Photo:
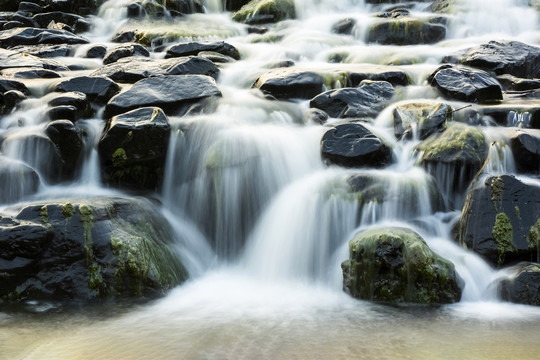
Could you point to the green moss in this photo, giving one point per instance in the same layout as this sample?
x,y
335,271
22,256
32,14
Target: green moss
x,y
516,211
533,239
503,234
278,9
119,157
95,281
68,210
497,187
44,214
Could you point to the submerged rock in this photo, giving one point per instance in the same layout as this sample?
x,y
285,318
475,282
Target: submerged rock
x,y
395,265
525,145
353,145
79,252
501,220
523,286
265,11
420,119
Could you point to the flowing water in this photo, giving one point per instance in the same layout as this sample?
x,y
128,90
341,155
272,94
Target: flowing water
x,y
264,247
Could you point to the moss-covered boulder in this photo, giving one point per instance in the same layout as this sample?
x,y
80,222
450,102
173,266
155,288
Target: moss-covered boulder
x,y
265,11
396,266
420,120
454,157
87,251
523,284
405,31
501,220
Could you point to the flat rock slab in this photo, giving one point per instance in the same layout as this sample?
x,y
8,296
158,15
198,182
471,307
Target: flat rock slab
x,y
34,36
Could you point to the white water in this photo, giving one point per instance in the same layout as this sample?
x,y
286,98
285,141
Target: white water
x,y
262,224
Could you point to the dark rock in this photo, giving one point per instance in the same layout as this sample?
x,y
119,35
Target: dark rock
x,y
133,148
194,48
30,73
501,220
10,99
12,25
75,99
173,93
523,286
344,26
43,51
68,112
18,181
405,32
30,7
234,5
502,57
366,101
78,23
9,5
125,50
395,265
7,85
33,36
420,120
134,10
23,19
353,145
510,82
87,252
285,84
460,83
124,36
68,141
80,7
96,52
525,145
315,116
11,59
261,11
97,89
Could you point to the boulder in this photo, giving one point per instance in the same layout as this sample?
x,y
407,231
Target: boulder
x,y
405,31
420,120
123,51
194,48
9,100
90,251
286,84
363,102
525,145
78,23
173,93
265,11
81,7
460,83
12,59
522,286
34,36
30,73
501,57
353,145
133,148
67,139
501,220
96,52
97,89
76,99
18,181
8,85
396,266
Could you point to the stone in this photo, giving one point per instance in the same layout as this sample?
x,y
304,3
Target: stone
x,y
405,31
285,84
522,286
123,51
18,180
420,120
265,11
67,138
34,36
194,48
525,145
97,89
78,23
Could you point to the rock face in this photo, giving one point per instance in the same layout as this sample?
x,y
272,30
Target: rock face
x,y
366,101
133,148
172,93
501,220
395,265
460,83
420,120
353,145
77,252
523,287
405,31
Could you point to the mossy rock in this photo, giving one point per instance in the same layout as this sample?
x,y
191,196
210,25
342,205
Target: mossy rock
x,y
88,252
419,120
261,11
405,31
396,266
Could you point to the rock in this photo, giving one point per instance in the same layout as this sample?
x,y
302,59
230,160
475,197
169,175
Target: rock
x,y
76,99
353,145
30,7
33,36
315,116
454,157
9,100
501,57
501,220
525,145
18,181
97,89
123,51
344,27
133,148
460,83
395,265
363,102
78,23
234,5
11,59
405,31
8,84
265,11
96,52
420,120
153,8
9,5
510,82
172,93
68,141
442,6
81,7
61,112
87,252
30,73
285,84
194,48
523,286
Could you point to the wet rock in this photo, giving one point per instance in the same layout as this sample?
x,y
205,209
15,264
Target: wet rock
x,y
344,27
501,220
513,83
123,51
133,148
460,83
97,89
68,112
124,36
7,85
11,59
33,36
43,51
87,252
454,157
265,11
75,99
363,102
315,116
30,73
153,8
80,7
67,138
395,265
194,48
96,52
353,145
30,7
525,145
23,19
234,5
9,25
78,23
523,286
9,100
405,31
286,84
18,180
9,5
420,120
442,6
501,57
173,93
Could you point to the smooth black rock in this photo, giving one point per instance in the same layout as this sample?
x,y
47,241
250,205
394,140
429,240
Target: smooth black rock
x,y
353,145
7,85
68,112
30,73
18,180
194,48
77,22
67,138
523,286
525,145
460,83
501,220
174,94
286,85
96,52
12,59
33,36
10,99
97,89
30,7
123,51
77,99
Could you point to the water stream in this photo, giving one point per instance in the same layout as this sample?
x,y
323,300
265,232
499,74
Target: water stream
x,y
264,247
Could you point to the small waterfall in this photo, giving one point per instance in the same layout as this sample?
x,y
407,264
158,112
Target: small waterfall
x,y
500,157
